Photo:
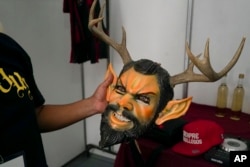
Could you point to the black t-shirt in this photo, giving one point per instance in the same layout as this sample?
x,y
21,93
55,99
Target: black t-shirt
x,y
19,96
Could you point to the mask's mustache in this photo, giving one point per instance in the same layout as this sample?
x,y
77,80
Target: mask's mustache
x,y
125,113
113,107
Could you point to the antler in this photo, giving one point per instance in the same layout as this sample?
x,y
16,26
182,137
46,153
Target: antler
x,y
98,31
209,75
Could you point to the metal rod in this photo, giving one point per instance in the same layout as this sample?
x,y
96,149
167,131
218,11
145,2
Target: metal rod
x,y
83,96
90,146
188,37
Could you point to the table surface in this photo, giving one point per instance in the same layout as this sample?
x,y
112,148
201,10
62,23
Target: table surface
x,y
169,158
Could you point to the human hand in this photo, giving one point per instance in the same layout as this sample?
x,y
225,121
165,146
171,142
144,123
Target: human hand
x,y
101,92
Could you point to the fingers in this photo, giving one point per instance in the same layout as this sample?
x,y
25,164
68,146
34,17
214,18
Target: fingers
x,y
108,80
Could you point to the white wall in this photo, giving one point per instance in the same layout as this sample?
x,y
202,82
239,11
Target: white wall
x,y
155,30
43,30
225,22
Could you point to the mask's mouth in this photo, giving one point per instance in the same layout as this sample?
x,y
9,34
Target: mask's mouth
x,y
119,122
121,117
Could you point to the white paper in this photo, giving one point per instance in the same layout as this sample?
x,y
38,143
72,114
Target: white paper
x,y
15,162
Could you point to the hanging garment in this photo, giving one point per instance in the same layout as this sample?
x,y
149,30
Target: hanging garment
x,y
84,46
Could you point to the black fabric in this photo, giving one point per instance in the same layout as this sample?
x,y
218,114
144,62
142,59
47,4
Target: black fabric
x,y
19,96
139,161
84,45
167,134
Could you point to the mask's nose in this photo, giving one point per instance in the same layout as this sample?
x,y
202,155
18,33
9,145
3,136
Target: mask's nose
x,y
125,102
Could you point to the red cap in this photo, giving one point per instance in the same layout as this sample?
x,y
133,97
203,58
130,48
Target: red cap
x,y
198,137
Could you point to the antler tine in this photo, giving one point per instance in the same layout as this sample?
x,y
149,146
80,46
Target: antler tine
x,y
98,31
208,74
234,59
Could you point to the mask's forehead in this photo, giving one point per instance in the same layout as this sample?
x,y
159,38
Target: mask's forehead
x,y
136,82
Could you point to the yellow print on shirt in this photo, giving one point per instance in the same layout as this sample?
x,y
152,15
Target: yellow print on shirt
x,y
8,82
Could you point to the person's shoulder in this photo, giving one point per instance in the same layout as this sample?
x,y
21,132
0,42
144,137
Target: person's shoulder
x,y
8,42
4,38
9,46
12,53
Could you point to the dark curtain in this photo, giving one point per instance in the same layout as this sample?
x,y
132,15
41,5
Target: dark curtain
x,y
84,46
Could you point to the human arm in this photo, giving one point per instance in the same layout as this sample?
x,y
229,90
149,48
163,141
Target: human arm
x,y
53,117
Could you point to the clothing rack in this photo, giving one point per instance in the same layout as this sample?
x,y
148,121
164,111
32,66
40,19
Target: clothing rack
x,y
88,147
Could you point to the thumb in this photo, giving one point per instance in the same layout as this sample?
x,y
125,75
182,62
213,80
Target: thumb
x,y
108,80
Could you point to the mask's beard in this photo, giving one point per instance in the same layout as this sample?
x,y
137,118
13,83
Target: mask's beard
x,y
111,136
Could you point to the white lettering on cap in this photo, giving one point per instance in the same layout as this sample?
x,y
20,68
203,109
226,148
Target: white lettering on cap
x,y
191,138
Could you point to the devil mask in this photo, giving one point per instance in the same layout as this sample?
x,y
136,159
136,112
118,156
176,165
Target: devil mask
x,y
135,100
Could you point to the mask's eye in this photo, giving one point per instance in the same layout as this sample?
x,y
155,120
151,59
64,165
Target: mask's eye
x,y
143,98
120,89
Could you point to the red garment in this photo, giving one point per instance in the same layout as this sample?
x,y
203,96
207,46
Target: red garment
x,y
84,46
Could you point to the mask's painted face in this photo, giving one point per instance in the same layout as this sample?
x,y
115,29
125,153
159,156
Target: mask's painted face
x,y
132,106
139,98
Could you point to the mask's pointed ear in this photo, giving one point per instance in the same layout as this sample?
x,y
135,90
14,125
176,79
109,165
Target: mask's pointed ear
x,y
174,109
111,86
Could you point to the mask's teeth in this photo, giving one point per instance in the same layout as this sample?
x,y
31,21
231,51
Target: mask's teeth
x,y
121,118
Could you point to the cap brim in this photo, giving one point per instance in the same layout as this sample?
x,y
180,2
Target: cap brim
x,y
190,150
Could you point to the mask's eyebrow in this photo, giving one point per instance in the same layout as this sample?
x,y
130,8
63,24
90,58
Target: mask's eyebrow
x,y
119,81
139,90
147,93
